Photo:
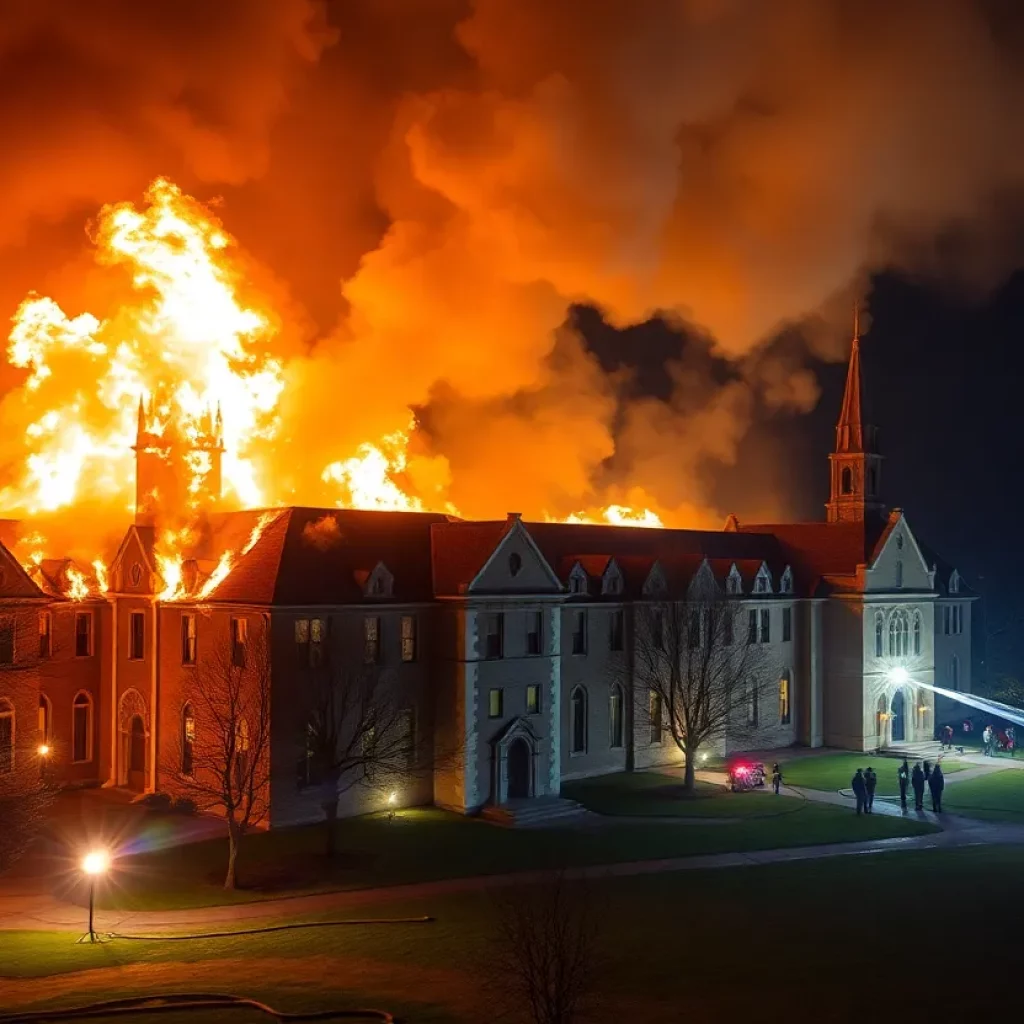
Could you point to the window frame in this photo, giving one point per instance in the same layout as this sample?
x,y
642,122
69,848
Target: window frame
x,y
494,651
11,622
186,741
616,704
578,712
655,717
45,634
88,707
239,642
580,629
764,633
787,624
533,707
496,696
136,653
535,618
85,616
617,630
372,645
189,640
408,639
785,698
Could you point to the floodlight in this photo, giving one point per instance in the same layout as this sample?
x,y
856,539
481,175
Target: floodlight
x,y
898,675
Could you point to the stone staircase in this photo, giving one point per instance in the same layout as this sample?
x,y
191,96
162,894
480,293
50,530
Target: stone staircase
x,y
922,750
541,812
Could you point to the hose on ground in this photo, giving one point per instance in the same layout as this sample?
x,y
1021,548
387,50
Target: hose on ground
x,y
158,937
185,1002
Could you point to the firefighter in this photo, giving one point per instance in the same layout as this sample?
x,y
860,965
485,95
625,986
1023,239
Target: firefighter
x,y
917,781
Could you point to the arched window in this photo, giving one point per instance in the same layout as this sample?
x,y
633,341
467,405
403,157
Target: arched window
x,y
917,632
879,628
81,727
45,718
899,574
188,739
615,715
899,635
785,708
579,720
872,481
6,736
954,673
846,481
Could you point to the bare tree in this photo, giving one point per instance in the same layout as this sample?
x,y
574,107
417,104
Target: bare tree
x,y
228,767
545,957
698,666
361,730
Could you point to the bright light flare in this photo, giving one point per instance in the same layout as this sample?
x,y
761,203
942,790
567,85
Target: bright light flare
x,y
899,675
392,799
43,749
96,862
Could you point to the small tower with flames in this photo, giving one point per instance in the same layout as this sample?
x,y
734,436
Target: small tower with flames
x,y
856,463
177,469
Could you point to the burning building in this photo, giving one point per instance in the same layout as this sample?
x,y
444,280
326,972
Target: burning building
x,y
510,644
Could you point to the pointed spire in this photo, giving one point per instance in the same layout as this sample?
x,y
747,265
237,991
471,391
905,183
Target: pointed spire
x,y
218,428
850,429
141,429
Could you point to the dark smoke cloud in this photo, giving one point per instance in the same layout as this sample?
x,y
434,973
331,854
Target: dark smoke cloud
x,y
437,181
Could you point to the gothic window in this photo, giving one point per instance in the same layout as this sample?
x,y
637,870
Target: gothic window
x,y
899,635
917,632
872,481
734,582
954,582
45,634
612,582
578,701
879,621
515,563
786,583
188,639
846,481
954,673
899,574
615,715
83,634
579,633
577,580
616,630
239,636
762,582
45,718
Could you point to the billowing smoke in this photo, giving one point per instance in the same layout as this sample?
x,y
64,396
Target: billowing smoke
x,y
433,184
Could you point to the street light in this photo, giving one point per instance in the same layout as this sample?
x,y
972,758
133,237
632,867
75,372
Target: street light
x,y
94,863
44,750
392,800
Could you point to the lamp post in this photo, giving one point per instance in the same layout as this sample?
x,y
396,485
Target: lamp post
x,y
93,864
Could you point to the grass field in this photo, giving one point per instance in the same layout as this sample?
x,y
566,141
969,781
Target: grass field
x,y
769,943
654,794
833,772
996,797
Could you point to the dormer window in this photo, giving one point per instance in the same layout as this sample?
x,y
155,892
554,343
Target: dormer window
x,y
577,580
786,583
954,582
515,563
762,582
734,582
380,583
655,581
612,581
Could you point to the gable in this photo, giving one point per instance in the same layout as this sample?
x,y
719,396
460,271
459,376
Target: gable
x,y
899,564
516,566
131,572
15,583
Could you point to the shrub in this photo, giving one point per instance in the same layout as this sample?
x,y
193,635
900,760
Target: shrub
x,y
157,801
183,805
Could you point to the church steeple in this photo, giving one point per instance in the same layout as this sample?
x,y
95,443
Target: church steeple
x,y
856,463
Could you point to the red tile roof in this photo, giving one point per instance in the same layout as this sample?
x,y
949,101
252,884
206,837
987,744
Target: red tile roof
x,y
460,550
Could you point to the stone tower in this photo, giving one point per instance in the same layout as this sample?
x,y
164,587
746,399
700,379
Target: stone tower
x,y
177,473
856,464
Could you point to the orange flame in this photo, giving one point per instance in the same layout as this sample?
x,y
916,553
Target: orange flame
x,y
617,515
77,587
368,480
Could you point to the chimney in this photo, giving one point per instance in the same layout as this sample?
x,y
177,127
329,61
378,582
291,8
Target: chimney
x,y
513,517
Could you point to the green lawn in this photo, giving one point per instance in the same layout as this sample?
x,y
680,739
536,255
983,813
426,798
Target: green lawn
x,y
999,796
768,943
833,772
428,844
654,794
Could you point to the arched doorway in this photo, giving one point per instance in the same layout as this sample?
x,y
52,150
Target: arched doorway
x,y
899,717
518,769
137,754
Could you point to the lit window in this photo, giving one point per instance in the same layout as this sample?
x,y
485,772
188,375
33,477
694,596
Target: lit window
x,y
188,740
533,700
371,640
495,703
239,637
408,638
188,639
784,708
45,717
302,631
45,634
